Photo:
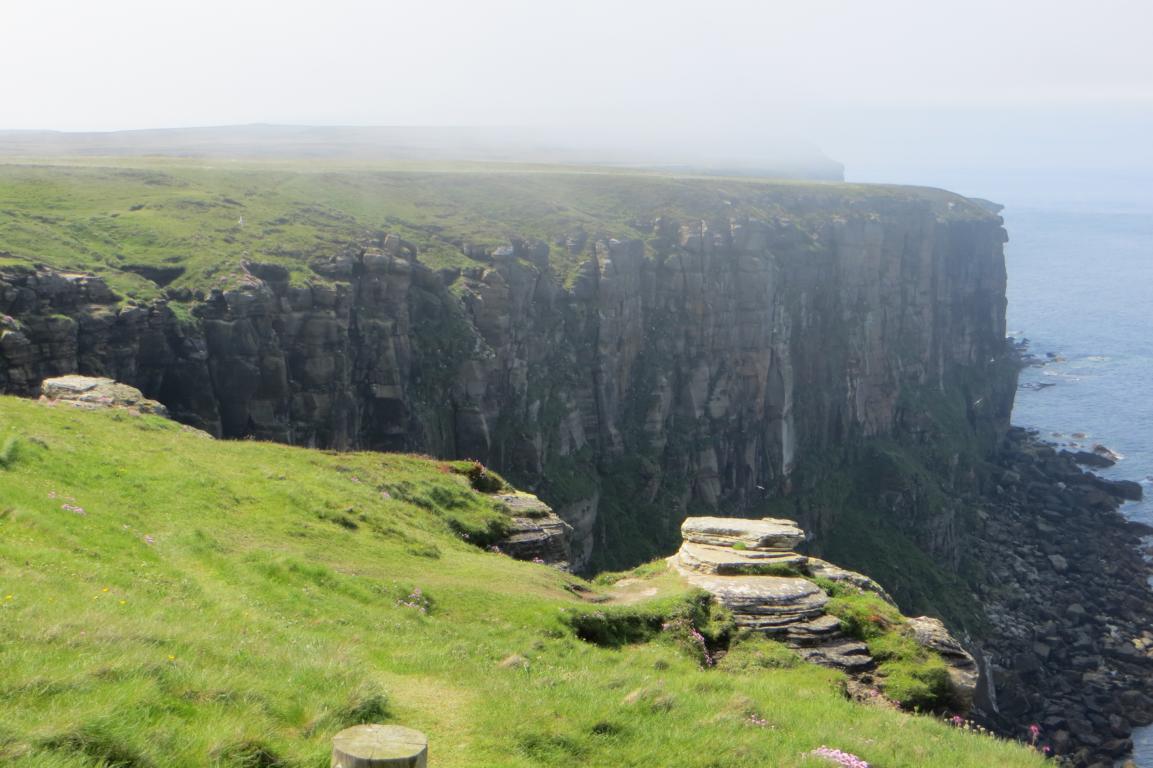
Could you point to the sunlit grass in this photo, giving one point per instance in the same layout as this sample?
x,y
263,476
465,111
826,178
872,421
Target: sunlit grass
x,y
237,603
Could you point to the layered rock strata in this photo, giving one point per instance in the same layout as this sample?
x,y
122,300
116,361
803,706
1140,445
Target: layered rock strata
x,y
537,533
692,366
731,559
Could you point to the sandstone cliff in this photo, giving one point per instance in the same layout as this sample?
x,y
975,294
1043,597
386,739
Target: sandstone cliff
x,y
696,367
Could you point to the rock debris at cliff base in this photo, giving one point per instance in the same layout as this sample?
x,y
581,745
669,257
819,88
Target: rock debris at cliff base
x,y
1067,592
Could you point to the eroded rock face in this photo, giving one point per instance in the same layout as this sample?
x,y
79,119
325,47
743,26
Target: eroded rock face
x,y
694,365
726,561
963,672
537,533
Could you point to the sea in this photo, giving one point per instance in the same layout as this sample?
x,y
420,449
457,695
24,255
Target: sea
x,y
1081,292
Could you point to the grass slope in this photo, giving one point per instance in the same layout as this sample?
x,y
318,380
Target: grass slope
x,y
110,215
170,600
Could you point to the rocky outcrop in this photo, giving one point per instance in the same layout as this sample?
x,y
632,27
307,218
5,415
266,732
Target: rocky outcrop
x,y
696,366
536,534
732,560
92,392
964,674
765,537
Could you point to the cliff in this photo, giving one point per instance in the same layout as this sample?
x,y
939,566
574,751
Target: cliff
x,y
706,363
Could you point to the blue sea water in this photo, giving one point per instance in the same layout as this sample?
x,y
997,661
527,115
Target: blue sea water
x,y
1081,288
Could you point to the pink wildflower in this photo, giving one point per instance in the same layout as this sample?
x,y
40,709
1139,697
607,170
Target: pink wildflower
x,y
838,757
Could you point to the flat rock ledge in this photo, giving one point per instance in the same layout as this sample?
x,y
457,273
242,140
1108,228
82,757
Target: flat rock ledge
x,y
749,568
764,534
93,392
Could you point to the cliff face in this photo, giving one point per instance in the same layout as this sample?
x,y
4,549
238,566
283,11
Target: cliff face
x,y
695,368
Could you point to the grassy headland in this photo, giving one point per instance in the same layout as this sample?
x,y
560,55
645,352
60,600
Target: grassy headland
x,y
197,221
170,600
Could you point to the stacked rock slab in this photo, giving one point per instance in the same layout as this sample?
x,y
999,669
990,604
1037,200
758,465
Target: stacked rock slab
x,y
536,532
747,566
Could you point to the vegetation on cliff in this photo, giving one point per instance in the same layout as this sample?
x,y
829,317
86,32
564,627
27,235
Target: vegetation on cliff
x,y
166,599
152,224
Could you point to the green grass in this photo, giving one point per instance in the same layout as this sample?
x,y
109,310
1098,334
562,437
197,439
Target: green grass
x,y
907,673
9,451
756,654
168,600
121,217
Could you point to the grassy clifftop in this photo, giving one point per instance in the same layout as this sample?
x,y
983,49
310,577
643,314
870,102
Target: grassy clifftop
x,y
196,222
170,600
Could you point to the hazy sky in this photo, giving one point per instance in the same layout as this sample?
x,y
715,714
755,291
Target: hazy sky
x,y
846,73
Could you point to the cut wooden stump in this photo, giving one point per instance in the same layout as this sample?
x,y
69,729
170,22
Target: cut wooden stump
x,y
379,746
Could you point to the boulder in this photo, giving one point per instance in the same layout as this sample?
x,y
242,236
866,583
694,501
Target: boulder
x,y
1129,490
963,671
1107,453
537,533
849,655
1093,459
94,392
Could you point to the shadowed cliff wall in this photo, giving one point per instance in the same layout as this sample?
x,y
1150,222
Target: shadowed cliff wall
x,y
702,366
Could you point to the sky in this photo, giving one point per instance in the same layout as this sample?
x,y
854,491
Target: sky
x,y
877,84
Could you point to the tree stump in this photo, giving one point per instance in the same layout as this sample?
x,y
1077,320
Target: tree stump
x,y
379,746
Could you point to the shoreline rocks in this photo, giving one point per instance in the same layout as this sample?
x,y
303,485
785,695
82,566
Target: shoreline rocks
x,y
1065,588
